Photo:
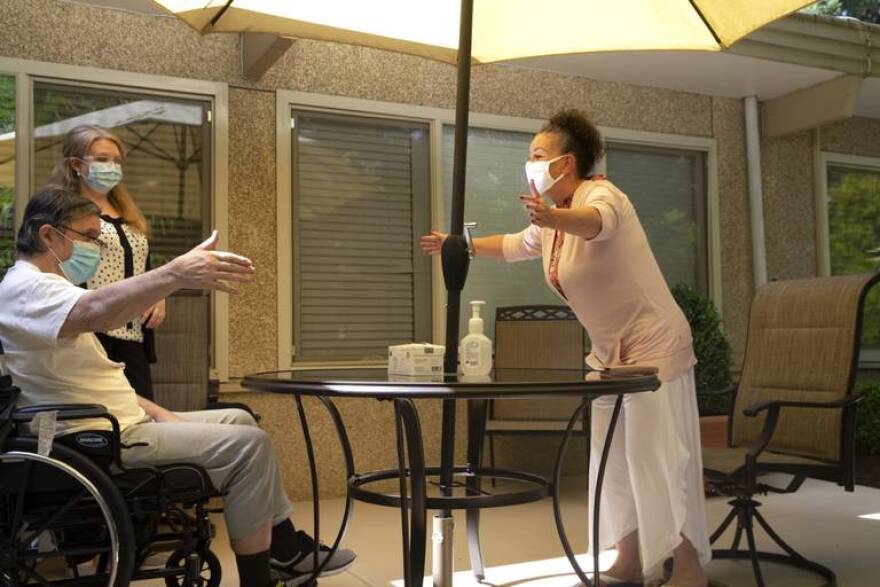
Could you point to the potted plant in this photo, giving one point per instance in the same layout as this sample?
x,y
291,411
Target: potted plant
x,y
712,372
868,433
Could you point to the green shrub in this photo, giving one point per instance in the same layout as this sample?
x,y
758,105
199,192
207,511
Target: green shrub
x,y
710,346
868,427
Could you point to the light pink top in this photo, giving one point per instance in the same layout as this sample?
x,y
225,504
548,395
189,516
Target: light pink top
x,y
613,285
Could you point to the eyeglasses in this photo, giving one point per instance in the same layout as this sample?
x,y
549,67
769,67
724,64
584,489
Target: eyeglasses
x,y
88,237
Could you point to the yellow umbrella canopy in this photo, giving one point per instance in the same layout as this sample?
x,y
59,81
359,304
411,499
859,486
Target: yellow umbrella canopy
x,y
502,29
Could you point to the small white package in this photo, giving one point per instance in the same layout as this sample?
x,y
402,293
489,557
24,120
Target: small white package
x,y
416,359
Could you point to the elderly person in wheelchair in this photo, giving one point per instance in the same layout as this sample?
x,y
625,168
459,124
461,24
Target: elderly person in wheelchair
x,y
47,326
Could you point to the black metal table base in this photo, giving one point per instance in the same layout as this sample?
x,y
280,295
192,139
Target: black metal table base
x,y
413,480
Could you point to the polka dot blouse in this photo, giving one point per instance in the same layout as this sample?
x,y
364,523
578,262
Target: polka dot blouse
x,y
123,255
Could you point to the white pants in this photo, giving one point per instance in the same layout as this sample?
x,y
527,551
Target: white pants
x,y
654,477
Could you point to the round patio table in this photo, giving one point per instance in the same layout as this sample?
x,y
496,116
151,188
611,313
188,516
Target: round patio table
x,y
457,486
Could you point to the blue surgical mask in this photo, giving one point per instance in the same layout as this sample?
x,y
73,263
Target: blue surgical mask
x,y
103,176
83,261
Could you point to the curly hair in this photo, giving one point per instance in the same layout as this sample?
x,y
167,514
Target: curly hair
x,y
579,136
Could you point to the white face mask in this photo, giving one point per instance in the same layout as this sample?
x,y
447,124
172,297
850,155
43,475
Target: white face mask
x,y
539,172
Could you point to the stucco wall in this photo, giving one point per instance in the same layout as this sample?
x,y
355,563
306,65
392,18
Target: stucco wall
x,y
789,206
737,280
854,136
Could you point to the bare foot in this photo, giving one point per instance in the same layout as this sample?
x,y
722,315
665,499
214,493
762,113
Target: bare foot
x,y
686,569
629,573
628,565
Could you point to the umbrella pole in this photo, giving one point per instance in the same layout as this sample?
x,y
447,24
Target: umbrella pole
x,y
455,265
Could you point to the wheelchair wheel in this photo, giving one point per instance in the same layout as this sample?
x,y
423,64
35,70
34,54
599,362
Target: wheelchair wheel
x,y
209,574
59,516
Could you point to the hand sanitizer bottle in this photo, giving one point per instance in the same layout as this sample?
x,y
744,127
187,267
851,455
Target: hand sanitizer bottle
x,y
475,351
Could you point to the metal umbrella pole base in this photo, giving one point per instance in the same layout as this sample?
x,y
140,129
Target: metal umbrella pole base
x,y
443,567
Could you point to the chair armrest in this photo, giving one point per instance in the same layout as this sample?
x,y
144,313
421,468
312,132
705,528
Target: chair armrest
x,y
730,389
65,411
773,408
843,402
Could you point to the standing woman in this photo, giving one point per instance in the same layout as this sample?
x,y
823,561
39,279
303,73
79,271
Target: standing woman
x,y
91,165
597,259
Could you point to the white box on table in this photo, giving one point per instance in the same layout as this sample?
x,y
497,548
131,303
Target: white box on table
x,y
416,359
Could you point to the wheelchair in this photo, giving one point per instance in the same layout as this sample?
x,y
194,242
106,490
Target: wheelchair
x,y
73,515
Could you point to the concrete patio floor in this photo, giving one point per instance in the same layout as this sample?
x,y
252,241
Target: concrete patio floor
x,y
520,546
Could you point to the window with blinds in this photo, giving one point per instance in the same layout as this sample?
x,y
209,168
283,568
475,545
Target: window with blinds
x,y
495,179
361,191
666,186
668,190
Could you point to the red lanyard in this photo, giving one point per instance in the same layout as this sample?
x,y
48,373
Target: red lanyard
x,y
558,238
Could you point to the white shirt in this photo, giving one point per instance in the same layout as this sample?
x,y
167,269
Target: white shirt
x,y
614,286
48,369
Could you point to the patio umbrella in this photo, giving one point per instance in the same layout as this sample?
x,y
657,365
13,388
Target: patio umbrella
x,y
486,31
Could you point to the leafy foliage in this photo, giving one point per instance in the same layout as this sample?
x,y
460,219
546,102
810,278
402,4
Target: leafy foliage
x,y
854,228
866,10
868,427
711,347
7,193
7,103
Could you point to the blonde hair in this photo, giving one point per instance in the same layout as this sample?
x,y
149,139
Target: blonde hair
x,y
76,145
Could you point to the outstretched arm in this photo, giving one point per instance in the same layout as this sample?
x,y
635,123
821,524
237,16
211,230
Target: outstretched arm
x,y
484,246
113,305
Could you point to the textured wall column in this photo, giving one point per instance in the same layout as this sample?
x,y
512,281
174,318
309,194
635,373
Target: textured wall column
x,y
737,277
253,327
789,206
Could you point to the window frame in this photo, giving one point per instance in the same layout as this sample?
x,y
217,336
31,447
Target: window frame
x,y
27,72
289,100
868,358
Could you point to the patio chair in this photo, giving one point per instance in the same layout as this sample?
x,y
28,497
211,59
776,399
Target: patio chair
x,y
795,410
548,337
180,376
541,336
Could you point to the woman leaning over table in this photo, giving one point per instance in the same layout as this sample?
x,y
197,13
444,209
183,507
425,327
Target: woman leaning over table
x,y
597,258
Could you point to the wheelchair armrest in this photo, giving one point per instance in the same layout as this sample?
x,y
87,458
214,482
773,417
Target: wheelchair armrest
x,y
65,411
75,412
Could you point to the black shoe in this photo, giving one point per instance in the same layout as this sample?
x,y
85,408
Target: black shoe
x,y
303,564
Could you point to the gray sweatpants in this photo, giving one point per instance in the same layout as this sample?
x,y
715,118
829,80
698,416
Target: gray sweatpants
x,y
237,455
